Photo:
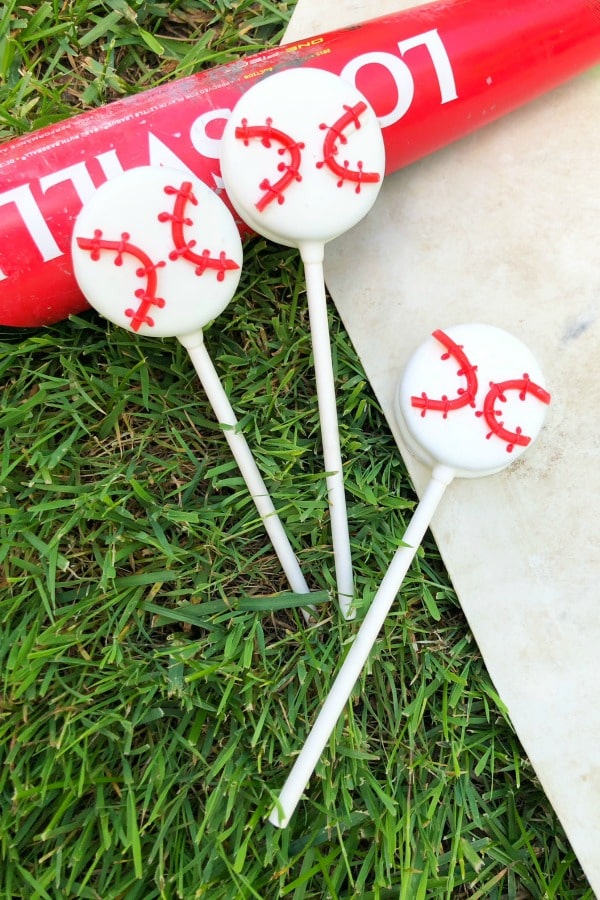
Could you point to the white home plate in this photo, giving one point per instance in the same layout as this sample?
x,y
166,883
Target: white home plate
x,y
502,227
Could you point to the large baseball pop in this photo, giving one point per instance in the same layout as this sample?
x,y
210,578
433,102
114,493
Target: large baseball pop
x,y
302,159
471,401
157,252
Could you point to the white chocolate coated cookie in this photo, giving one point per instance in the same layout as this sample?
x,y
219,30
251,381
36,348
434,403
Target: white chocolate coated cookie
x,y
157,252
472,398
302,156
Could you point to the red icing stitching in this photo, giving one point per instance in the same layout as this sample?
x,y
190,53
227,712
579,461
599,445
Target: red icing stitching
x,y
185,249
266,134
490,413
466,395
335,133
146,295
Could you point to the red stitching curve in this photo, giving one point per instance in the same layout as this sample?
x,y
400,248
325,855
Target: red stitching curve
x,y
335,132
185,249
266,134
466,395
498,392
147,295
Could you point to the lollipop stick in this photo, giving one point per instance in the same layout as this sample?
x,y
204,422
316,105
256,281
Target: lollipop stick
x,y
359,650
194,344
312,257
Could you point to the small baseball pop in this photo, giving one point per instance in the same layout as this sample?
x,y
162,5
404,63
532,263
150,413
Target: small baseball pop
x,y
302,159
157,252
471,401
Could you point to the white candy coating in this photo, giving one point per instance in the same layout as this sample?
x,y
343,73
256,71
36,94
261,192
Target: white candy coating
x,y
157,252
472,398
302,156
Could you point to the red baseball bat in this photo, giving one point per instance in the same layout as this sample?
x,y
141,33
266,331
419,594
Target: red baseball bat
x,y
433,74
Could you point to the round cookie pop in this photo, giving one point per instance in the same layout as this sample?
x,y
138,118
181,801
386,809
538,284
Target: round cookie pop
x,y
461,400
472,399
302,159
157,252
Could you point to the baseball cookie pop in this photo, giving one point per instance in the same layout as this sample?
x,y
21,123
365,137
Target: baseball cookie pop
x,y
157,252
302,159
471,401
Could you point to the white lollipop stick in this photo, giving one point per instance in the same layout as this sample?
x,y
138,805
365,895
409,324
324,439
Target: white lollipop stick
x,y
302,159
223,410
358,653
453,432
312,257
142,256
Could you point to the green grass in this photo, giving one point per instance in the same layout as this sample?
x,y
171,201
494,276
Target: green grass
x,y
157,679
